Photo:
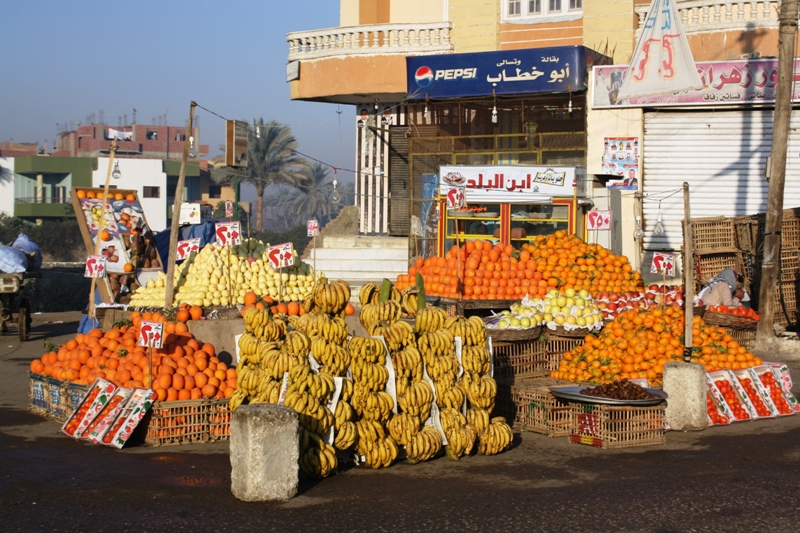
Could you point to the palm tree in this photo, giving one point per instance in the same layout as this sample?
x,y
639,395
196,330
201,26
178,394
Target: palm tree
x,y
313,200
272,160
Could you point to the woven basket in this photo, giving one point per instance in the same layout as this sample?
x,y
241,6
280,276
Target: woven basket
x,y
699,311
511,335
574,334
727,320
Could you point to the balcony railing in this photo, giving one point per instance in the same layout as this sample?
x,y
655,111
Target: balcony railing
x,y
39,200
370,39
714,15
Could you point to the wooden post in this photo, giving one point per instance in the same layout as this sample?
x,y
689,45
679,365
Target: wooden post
x,y
688,276
150,386
112,150
777,170
176,215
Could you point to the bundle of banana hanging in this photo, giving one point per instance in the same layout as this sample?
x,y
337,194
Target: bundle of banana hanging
x,y
332,357
495,438
313,415
424,445
438,353
317,459
472,330
258,362
387,311
259,323
378,448
416,400
370,293
409,300
317,324
398,335
460,436
429,319
330,298
344,418
407,368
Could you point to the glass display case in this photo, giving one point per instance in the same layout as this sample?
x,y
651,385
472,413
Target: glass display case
x,y
528,221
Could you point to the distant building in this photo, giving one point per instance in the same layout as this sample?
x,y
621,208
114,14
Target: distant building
x,y
12,149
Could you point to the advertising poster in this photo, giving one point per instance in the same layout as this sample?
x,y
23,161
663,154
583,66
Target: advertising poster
x,y
621,159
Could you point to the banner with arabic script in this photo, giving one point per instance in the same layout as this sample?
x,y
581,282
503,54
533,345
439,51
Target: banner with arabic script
x,y
734,82
513,184
662,61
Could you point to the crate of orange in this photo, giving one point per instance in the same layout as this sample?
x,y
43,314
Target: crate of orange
x,y
219,420
176,422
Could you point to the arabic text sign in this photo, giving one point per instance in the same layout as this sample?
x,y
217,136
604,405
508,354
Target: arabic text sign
x,y
151,334
540,70
280,255
312,228
187,248
95,267
506,183
724,82
228,233
456,197
663,263
598,219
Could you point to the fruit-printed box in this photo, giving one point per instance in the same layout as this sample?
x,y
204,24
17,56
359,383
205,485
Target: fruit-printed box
x,y
95,400
739,395
785,402
756,393
719,401
783,376
129,417
102,423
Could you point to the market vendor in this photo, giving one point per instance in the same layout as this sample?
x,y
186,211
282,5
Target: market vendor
x,y
726,288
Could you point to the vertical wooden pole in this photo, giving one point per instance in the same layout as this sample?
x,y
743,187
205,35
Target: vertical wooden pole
x,y
150,386
688,276
176,214
102,224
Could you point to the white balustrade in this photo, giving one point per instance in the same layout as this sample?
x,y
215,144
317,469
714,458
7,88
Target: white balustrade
x,y
698,16
370,39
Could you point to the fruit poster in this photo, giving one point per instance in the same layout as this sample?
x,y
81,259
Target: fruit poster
x,y
151,334
621,160
456,197
228,233
599,219
187,248
280,255
663,263
312,228
228,209
95,267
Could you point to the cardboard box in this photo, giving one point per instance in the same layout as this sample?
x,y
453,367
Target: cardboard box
x,y
130,415
102,423
759,371
741,395
719,401
93,403
783,376
758,392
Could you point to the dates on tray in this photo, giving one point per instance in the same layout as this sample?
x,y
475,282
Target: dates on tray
x,y
619,390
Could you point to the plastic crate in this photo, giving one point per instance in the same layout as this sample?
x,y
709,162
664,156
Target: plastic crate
x,y
58,407
219,419
73,396
529,358
529,406
613,426
39,394
177,422
713,235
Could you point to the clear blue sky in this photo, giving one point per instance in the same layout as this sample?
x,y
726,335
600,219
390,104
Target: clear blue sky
x,y
62,61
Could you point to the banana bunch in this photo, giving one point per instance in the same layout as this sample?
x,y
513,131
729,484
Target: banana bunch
x,y
452,397
321,325
439,342
407,364
344,413
258,322
317,459
369,376
330,298
460,436
236,400
256,386
375,406
370,293
442,368
495,438
403,427
472,330
478,418
430,319
320,386
278,361
248,344
313,416
346,436
297,343
476,359
417,400
333,358
409,300
442,386
388,311
368,350
397,335
481,390
424,445
379,450
347,390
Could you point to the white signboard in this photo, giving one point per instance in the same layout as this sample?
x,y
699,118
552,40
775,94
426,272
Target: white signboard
x,y
456,197
151,334
663,263
95,267
513,184
598,219
228,209
228,233
280,255
187,248
312,228
190,214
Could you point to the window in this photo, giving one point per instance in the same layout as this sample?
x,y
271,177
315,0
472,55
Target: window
x,y
151,192
215,191
152,135
180,136
534,7
537,10
514,7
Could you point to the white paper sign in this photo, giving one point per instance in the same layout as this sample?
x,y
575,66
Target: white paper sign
x,y
95,267
312,228
663,263
190,214
228,233
151,334
280,255
228,209
598,219
284,386
187,248
456,197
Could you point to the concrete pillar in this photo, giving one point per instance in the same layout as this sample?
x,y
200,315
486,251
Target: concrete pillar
x,y
265,452
686,385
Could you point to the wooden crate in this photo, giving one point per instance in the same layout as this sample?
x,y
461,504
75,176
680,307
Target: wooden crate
x,y
613,426
709,265
39,393
789,291
713,235
746,231
789,265
528,406
219,419
58,403
73,396
518,358
745,337
177,422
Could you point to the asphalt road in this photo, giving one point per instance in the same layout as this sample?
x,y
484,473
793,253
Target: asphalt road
x,y
745,477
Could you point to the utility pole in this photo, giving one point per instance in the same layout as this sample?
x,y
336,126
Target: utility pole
x,y
777,171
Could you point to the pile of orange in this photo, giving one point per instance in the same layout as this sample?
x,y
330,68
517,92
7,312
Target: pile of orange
x,y
487,271
111,196
639,342
182,368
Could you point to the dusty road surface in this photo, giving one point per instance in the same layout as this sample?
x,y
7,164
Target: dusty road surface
x,y
745,477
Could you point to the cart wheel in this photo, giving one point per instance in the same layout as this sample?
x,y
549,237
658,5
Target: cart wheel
x,y
24,319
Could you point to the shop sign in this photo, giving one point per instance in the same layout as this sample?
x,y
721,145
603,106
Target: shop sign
x,y
512,184
536,70
736,82
598,219
663,263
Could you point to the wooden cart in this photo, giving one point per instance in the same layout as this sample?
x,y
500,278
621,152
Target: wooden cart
x,y
11,286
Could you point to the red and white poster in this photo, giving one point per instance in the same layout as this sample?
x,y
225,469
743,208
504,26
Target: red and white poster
x,y
598,219
95,267
228,209
151,334
663,263
280,255
456,197
228,233
312,228
187,248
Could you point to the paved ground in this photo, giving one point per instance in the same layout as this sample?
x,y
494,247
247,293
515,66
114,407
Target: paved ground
x,y
741,478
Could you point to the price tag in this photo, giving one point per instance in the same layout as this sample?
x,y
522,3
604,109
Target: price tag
x,y
95,267
598,219
228,233
663,263
312,228
151,334
187,248
280,255
228,209
456,197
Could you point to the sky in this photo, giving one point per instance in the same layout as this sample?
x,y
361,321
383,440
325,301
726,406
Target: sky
x,y
63,61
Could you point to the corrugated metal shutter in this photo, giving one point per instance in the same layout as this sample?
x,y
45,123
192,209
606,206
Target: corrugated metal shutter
x,y
722,155
398,181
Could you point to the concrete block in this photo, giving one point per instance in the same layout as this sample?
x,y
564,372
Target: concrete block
x,y
219,332
686,385
265,452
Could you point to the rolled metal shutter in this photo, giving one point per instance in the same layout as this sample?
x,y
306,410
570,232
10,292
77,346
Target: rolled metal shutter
x,y
398,181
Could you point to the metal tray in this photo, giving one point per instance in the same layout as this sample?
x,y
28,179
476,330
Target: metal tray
x,y
573,393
